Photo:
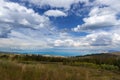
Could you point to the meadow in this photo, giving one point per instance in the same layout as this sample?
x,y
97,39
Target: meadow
x,y
34,67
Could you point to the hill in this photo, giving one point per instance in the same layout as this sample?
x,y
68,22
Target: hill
x,y
116,53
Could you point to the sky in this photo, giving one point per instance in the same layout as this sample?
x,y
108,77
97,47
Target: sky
x,y
84,26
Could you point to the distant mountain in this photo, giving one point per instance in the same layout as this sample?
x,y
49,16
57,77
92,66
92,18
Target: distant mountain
x,y
113,51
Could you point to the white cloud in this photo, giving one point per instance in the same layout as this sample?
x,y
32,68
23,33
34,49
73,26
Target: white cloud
x,y
4,29
97,40
97,22
24,28
17,24
15,43
99,18
109,3
66,42
16,15
70,42
54,13
66,4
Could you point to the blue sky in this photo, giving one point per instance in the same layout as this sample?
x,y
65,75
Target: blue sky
x,y
77,25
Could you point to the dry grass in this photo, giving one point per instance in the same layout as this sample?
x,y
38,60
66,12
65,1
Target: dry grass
x,y
19,71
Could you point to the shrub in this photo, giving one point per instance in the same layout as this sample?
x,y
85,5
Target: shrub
x,y
109,67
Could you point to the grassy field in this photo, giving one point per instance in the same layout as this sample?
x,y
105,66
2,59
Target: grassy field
x,y
39,71
36,70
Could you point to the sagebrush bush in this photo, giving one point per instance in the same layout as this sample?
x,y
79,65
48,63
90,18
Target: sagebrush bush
x,y
109,67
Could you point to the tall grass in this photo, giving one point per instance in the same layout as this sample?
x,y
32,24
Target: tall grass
x,y
37,71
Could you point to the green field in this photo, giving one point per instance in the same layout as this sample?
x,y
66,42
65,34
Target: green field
x,y
20,67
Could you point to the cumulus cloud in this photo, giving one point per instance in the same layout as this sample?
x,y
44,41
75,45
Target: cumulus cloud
x,y
15,15
15,43
101,17
66,4
109,3
103,24
17,24
23,28
97,40
54,13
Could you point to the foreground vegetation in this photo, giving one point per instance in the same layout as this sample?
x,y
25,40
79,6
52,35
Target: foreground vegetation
x,y
37,67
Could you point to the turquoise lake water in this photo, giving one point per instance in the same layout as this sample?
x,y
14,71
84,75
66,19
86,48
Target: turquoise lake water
x,y
54,52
